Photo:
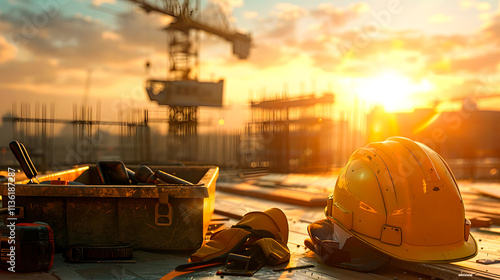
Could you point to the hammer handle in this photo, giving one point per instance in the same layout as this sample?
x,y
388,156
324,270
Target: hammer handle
x,y
169,178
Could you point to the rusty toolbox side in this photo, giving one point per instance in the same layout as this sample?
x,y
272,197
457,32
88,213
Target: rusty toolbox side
x,y
159,217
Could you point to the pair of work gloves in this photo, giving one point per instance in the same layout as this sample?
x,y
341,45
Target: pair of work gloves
x,y
259,238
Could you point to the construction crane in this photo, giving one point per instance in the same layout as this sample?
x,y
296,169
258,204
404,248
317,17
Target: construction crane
x,y
182,91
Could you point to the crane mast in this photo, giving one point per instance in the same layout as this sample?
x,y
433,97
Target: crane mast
x,y
181,90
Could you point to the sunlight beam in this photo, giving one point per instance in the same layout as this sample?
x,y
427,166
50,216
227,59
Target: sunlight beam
x,y
391,90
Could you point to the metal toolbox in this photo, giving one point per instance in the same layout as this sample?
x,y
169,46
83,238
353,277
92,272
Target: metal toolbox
x,y
154,217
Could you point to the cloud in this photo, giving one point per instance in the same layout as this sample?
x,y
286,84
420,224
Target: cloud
x,y
338,17
139,29
230,4
404,50
219,14
37,71
279,37
66,47
290,12
100,2
220,10
110,35
77,42
492,29
326,61
440,18
250,14
327,45
59,50
483,6
281,25
485,63
290,31
7,50
268,55
467,4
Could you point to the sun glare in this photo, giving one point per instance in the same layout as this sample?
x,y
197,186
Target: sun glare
x,y
391,90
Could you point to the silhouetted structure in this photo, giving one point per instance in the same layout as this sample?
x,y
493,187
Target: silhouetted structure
x,y
58,143
293,134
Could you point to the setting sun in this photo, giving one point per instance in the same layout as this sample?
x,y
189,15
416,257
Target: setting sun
x,y
391,90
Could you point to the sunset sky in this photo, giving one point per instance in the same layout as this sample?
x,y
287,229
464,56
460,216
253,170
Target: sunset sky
x,y
400,54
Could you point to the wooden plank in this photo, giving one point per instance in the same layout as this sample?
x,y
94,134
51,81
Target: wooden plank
x,y
487,249
295,197
482,201
485,210
492,189
479,204
239,205
446,271
471,215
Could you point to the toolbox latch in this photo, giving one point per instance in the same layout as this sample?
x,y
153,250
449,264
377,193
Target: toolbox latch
x,y
163,211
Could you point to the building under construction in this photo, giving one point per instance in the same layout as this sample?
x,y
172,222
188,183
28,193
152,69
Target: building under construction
x,y
293,134
57,142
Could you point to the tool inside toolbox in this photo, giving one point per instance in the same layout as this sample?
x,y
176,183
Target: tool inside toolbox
x,y
112,172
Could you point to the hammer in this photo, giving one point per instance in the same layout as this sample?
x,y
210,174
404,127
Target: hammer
x,y
24,160
144,174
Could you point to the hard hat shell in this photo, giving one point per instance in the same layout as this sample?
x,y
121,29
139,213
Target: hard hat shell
x,y
400,197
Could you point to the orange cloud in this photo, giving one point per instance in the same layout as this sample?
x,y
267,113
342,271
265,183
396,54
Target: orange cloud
x,y
289,11
282,41
250,14
7,50
340,16
491,29
441,67
100,2
485,63
229,3
109,35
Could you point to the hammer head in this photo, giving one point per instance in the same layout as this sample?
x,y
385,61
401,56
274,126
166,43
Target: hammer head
x,y
143,174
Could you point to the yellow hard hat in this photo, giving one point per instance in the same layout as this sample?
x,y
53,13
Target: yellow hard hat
x,y
400,197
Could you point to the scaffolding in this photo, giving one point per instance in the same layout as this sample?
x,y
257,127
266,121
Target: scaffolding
x,y
290,135
137,137
87,143
36,130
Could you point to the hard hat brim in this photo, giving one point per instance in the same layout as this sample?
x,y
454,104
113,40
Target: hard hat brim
x,y
361,256
453,252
